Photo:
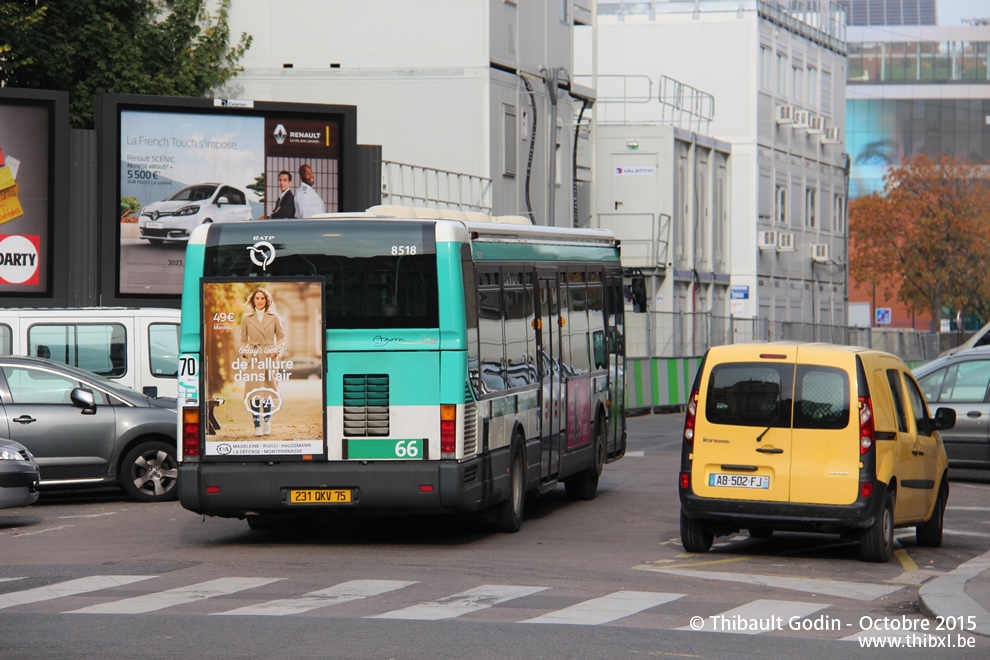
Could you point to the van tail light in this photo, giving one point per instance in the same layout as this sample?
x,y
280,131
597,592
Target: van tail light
x,y
867,431
866,489
692,410
685,480
190,434
448,430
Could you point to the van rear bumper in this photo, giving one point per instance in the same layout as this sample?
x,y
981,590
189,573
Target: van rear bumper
x,y
785,516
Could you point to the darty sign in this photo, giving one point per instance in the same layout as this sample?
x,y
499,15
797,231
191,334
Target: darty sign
x,y
19,259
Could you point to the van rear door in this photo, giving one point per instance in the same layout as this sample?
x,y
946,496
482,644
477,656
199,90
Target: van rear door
x,y
825,449
742,443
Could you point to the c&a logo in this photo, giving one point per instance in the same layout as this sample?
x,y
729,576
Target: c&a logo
x,y
19,259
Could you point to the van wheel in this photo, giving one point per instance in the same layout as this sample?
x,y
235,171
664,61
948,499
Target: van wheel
x,y
878,543
149,471
584,485
696,535
760,532
509,514
930,534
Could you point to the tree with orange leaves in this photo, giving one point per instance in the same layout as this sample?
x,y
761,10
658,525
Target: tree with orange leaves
x,y
925,236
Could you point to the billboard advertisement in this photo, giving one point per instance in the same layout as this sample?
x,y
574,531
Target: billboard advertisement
x,y
263,372
178,170
26,180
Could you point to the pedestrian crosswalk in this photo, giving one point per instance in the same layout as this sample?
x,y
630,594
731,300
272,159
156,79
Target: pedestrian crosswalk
x,y
136,595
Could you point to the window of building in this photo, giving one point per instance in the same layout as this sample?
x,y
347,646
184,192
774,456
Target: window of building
x,y
781,74
780,203
839,214
766,61
796,85
810,205
812,87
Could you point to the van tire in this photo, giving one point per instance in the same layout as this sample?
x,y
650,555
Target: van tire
x,y
930,534
696,535
760,532
878,542
584,485
149,471
509,513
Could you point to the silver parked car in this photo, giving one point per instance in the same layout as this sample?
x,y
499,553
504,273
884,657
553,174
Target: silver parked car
x,y
18,475
85,430
961,381
174,218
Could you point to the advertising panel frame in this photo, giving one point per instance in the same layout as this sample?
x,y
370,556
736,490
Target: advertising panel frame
x,y
210,447
57,254
109,109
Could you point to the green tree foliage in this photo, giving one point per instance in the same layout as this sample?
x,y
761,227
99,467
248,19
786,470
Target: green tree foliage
x,y
129,206
258,187
926,236
90,47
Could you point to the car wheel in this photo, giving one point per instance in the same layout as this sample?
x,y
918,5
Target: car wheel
x,y
584,485
878,543
696,535
760,532
509,514
149,472
930,534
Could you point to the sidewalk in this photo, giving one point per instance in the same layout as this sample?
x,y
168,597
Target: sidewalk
x,y
961,593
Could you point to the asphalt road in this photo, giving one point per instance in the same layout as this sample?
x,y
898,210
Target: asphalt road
x,y
96,575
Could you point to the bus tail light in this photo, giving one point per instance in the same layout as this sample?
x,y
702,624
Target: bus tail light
x,y
867,430
692,410
448,430
190,434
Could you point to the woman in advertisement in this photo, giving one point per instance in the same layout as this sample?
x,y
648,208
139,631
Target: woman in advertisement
x,y
262,342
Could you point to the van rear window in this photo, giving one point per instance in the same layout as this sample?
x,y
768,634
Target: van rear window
x,y
750,394
822,398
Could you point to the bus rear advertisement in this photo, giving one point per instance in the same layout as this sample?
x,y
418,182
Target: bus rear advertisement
x,y
397,360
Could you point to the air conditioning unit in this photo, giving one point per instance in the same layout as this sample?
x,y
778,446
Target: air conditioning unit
x,y
767,240
816,125
785,114
785,242
820,252
831,135
801,118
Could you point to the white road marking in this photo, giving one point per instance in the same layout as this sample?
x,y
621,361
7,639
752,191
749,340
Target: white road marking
x,y
757,617
91,515
968,508
340,593
607,608
68,588
960,532
180,596
43,531
854,590
638,454
457,605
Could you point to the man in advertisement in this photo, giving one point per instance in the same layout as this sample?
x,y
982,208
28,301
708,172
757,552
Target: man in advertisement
x,y
285,207
308,201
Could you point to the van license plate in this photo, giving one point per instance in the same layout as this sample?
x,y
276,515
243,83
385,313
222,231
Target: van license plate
x,y
341,496
739,480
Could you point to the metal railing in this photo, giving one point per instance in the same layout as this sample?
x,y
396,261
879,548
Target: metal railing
x,y
413,185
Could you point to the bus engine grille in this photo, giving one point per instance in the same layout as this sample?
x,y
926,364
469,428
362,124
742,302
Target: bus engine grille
x,y
365,405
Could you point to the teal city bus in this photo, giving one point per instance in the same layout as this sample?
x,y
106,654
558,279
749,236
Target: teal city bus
x,y
457,362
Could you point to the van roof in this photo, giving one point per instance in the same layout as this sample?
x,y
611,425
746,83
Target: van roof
x,y
751,349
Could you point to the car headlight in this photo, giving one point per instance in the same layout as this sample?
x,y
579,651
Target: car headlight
x,y
11,455
188,210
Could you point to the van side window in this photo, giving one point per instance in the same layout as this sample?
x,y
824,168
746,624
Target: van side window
x,y
894,378
6,340
750,394
98,347
918,405
163,349
821,398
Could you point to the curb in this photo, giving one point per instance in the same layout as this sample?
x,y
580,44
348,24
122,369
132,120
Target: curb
x,y
946,596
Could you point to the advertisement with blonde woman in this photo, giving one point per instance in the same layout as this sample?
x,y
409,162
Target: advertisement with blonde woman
x,y
259,398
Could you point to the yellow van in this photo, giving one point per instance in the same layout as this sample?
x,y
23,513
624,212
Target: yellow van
x,y
814,438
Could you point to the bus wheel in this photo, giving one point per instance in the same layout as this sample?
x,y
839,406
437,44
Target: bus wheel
x,y
149,471
509,514
584,485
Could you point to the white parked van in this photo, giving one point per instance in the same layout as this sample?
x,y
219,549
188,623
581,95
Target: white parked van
x,y
137,347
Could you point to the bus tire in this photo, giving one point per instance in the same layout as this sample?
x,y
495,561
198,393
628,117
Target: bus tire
x,y
509,513
148,472
584,485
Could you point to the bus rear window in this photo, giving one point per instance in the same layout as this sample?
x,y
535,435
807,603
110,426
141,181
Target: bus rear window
x,y
377,275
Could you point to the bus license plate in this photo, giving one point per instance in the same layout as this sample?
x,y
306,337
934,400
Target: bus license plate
x,y
337,496
739,480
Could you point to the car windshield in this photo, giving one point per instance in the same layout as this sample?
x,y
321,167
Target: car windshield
x,y
193,193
